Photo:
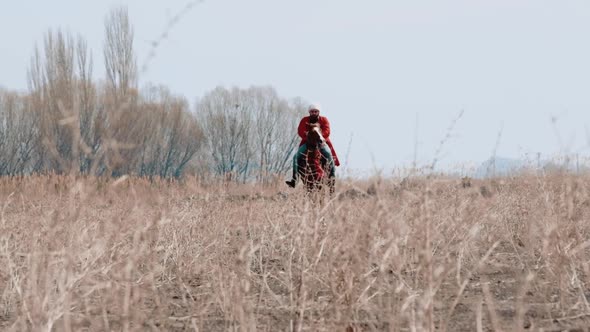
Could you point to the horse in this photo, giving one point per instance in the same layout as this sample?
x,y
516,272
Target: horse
x,y
313,168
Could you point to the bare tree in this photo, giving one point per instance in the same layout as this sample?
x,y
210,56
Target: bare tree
x,y
18,134
250,132
119,57
182,138
121,124
173,136
275,133
52,80
227,123
88,112
63,101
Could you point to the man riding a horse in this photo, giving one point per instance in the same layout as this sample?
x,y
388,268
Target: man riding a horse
x,y
325,148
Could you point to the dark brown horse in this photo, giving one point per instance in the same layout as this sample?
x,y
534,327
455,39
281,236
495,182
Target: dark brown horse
x,y
314,170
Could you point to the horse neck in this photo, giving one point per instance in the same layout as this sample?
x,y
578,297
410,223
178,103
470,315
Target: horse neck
x,y
312,146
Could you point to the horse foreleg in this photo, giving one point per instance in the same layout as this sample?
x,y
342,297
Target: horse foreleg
x,y
331,186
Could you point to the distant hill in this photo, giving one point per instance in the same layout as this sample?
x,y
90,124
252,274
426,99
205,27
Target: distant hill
x,y
500,166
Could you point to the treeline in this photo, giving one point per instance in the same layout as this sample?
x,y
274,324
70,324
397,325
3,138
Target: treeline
x,y
69,122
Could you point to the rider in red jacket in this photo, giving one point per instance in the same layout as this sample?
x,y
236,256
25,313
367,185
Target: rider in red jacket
x,y
327,150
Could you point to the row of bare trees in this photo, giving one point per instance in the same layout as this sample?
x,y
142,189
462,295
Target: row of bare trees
x,y
69,122
240,134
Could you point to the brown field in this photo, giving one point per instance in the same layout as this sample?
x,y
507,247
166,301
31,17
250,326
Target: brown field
x,y
424,254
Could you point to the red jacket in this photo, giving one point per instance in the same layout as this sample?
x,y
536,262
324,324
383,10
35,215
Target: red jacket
x,y
325,127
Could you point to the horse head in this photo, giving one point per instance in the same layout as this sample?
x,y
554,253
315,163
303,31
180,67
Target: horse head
x,y
314,136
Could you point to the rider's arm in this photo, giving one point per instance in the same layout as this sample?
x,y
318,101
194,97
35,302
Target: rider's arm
x,y
325,127
302,129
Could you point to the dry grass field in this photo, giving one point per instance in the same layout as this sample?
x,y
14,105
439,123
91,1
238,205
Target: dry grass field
x,y
422,254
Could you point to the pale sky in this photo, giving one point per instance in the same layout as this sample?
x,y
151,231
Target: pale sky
x,y
375,66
